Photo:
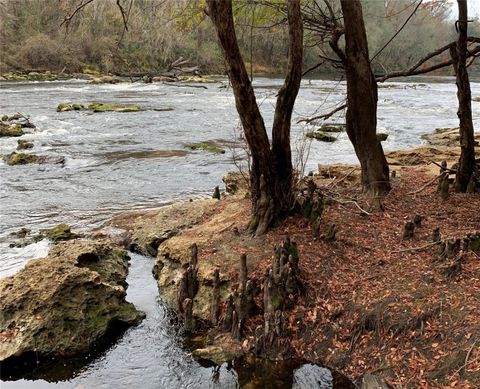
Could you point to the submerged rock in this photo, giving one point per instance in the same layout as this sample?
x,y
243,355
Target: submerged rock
x,y
23,144
63,304
206,146
15,158
113,107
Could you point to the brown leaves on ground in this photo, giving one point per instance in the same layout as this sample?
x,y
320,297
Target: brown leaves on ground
x,y
373,305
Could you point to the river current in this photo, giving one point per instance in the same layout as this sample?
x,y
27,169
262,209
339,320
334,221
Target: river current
x,y
122,161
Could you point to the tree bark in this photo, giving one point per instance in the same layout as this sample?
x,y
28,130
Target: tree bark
x,y
362,97
466,165
220,11
271,169
285,101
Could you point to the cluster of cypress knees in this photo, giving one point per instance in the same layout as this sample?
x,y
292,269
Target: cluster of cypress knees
x,y
271,297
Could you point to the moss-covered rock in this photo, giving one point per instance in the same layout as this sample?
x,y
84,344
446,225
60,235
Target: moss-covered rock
x,y
4,118
63,304
60,232
20,159
10,129
206,146
333,127
24,159
21,233
23,144
113,107
64,107
321,136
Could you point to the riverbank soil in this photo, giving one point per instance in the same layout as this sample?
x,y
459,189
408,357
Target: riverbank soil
x,y
375,299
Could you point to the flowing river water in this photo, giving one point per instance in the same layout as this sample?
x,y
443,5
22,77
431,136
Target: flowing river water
x,y
122,161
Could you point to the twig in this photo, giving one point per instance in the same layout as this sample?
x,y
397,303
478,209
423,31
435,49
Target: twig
x,y
424,186
426,246
352,202
324,116
398,32
341,179
464,366
443,168
68,18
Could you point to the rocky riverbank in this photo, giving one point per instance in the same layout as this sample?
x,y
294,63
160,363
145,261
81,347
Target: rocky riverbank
x,y
348,286
62,305
353,304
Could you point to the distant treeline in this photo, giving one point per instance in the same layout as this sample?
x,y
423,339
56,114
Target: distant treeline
x,y
32,36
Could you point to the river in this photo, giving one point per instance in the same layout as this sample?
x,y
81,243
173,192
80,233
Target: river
x,y
109,168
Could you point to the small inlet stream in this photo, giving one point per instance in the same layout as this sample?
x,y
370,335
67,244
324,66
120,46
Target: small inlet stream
x,y
151,355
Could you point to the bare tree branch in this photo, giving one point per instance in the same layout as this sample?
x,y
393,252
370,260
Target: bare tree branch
x,y
324,116
67,19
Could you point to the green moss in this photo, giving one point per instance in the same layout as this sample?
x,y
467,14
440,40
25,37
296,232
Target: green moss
x,y
113,107
10,130
332,128
277,301
4,118
20,159
206,146
321,136
60,232
64,107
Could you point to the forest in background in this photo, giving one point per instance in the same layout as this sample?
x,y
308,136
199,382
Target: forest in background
x,y
35,37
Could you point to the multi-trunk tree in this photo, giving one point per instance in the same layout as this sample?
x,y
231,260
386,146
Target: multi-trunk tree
x,y
271,174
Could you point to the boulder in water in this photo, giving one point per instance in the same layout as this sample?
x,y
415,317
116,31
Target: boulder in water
x,y
63,304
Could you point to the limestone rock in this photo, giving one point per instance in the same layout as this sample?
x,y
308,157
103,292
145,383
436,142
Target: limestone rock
x,y
145,230
61,305
446,137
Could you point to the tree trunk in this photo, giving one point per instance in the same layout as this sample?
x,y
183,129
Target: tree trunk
x,y
271,169
466,166
220,11
361,114
283,110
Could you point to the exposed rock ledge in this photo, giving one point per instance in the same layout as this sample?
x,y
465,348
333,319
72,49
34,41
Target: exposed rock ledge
x,y
61,305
